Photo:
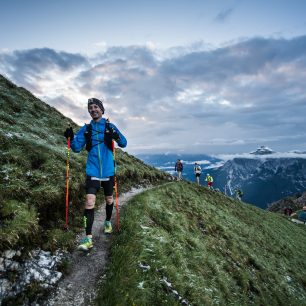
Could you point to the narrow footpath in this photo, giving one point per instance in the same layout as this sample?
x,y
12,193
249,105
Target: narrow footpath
x,y
79,287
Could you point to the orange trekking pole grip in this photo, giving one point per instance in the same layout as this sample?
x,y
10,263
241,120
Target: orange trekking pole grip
x,y
67,180
116,189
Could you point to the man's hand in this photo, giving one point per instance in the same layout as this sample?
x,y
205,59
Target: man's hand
x,y
69,133
115,135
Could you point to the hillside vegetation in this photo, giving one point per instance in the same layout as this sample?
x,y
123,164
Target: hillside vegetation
x,y
33,168
181,244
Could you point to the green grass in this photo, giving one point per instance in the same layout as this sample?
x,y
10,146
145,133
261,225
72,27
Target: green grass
x,y
33,169
19,223
214,251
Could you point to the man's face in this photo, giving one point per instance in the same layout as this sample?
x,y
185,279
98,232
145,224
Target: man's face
x,y
95,111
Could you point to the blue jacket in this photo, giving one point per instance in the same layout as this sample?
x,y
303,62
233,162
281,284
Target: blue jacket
x,y
100,161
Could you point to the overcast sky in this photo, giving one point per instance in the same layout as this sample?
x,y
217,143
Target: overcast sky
x,y
177,76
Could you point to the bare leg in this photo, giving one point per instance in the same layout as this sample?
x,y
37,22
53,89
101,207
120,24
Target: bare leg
x,y
90,201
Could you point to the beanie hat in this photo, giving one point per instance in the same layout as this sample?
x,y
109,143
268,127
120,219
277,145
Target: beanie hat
x,y
98,102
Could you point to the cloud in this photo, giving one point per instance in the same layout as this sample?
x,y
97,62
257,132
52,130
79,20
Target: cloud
x,y
37,60
68,107
224,14
35,69
276,155
193,99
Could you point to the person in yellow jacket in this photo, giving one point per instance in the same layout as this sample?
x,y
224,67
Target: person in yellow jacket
x,y
209,179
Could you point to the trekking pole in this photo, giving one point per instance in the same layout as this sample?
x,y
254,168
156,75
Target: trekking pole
x,y
116,189
67,181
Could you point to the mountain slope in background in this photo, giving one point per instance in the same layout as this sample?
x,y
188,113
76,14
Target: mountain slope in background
x,y
166,162
181,244
264,176
295,202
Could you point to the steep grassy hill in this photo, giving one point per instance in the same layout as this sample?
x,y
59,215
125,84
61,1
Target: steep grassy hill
x,y
33,169
181,244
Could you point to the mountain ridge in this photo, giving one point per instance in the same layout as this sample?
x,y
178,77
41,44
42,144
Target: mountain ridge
x,y
263,180
262,150
295,202
264,177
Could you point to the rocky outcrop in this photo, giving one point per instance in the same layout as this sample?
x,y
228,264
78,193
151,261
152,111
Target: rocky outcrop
x,y
295,203
18,275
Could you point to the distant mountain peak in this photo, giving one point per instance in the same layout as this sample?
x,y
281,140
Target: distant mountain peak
x,y
298,152
262,150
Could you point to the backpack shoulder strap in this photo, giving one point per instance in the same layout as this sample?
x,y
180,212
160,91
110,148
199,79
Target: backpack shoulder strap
x,y
87,135
108,140
88,127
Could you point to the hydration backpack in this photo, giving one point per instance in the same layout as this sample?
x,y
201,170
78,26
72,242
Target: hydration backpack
x,y
107,136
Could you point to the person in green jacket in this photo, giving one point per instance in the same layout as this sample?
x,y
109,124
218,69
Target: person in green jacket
x,y
239,194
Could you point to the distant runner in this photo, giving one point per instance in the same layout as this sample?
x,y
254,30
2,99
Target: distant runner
x,y
209,179
197,172
97,138
288,211
179,169
239,194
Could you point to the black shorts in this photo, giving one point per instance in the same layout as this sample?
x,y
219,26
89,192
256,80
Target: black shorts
x,y
93,186
198,174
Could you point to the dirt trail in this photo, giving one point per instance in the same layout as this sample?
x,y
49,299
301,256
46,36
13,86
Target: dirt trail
x,y
79,287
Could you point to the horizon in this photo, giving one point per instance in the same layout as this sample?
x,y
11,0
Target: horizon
x,y
227,156
207,77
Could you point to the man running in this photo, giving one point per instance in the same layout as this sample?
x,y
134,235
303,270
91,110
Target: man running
x,y
239,194
209,179
197,172
179,169
97,138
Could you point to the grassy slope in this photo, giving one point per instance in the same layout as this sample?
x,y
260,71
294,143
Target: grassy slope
x,y
33,169
213,249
